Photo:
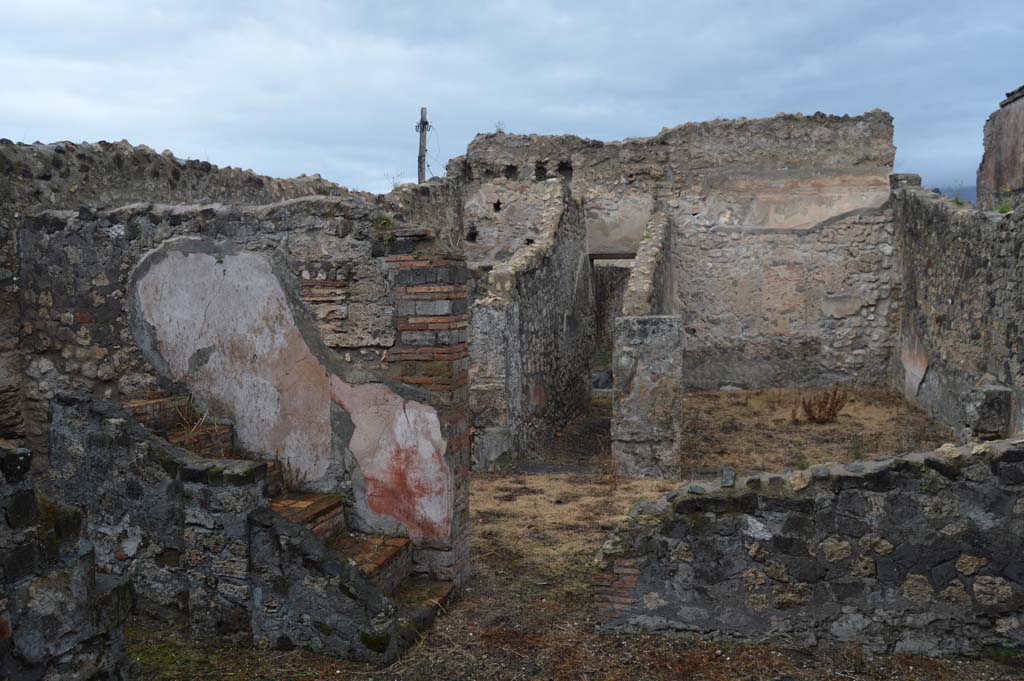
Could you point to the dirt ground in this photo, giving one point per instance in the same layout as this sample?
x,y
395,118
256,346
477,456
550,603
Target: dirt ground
x,y
754,430
527,614
768,430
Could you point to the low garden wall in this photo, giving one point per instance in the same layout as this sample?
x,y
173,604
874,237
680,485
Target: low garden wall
x,y
914,554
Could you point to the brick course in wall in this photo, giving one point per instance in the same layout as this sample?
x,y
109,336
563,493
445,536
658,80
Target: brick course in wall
x,y
615,590
431,298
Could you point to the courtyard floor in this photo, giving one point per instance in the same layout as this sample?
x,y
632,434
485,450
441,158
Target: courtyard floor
x,y
767,430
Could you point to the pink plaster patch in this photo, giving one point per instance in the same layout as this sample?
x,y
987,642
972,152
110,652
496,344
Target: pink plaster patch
x,y
914,361
400,451
264,376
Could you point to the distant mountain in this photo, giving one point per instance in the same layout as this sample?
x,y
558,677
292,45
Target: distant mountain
x,y
968,193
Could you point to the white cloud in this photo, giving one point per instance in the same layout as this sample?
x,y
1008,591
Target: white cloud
x,y
335,88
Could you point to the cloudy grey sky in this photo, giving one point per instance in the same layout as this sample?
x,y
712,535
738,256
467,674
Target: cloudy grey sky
x,y
335,87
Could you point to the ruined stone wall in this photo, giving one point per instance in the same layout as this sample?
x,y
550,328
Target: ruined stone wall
x,y
66,175
647,407
781,256
293,320
496,378
650,290
81,285
1001,172
785,172
647,364
532,335
59,617
11,365
174,523
609,286
201,545
917,554
963,291
503,216
556,314
792,307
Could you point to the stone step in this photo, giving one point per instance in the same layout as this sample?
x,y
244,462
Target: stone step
x,y
421,600
174,417
113,599
208,440
386,561
434,593
324,514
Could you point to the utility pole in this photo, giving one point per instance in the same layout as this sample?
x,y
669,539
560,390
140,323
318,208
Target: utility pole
x,y
421,161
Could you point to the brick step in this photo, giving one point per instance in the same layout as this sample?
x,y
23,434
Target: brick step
x,y
324,514
386,561
162,412
208,440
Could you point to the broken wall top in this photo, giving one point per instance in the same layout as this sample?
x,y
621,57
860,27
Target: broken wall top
x,y
66,174
782,141
1001,172
789,172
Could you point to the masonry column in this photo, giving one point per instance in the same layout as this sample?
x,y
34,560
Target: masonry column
x,y
431,300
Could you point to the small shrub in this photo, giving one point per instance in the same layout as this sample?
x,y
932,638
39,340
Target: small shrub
x,y
292,480
1006,656
1004,206
612,472
824,407
799,460
382,222
857,448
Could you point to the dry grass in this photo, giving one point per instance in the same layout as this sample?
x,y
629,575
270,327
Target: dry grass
x,y
189,418
560,519
767,430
